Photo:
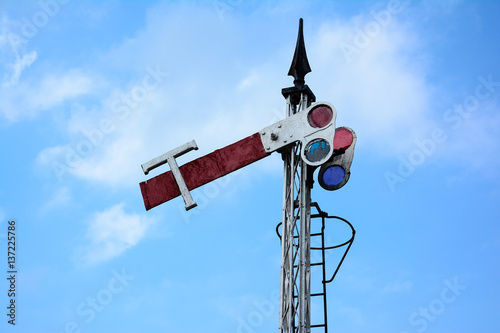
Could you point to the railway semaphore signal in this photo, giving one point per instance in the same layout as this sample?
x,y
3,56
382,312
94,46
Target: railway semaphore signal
x,y
307,140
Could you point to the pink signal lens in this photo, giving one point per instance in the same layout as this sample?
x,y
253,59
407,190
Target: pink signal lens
x,y
343,138
320,116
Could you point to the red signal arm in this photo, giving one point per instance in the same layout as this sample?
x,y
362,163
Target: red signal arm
x,y
205,169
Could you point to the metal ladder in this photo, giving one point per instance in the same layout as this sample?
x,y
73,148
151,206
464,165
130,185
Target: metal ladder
x,y
322,263
322,249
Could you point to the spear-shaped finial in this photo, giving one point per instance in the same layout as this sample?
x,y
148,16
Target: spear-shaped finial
x,y
299,68
300,65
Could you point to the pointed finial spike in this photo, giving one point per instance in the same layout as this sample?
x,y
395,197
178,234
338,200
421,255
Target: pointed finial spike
x,y
300,65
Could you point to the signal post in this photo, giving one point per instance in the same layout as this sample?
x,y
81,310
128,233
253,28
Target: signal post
x,y
307,139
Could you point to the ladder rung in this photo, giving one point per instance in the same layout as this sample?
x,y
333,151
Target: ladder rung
x,y
316,234
312,295
320,325
313,264
317,294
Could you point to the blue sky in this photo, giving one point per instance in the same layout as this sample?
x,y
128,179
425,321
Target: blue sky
x,y
91,90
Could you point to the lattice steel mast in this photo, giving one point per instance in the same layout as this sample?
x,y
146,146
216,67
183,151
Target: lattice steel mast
x,y
295,302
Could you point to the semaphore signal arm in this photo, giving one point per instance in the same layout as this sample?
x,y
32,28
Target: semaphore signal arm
x,y
321,143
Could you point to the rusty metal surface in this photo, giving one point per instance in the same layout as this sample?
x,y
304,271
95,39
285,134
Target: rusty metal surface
x,y
163,188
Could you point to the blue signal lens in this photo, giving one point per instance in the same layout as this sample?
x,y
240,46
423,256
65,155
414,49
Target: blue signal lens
x,y
333,175
317,150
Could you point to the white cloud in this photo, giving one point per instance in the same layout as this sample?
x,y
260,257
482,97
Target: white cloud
x,y
31,96
25,96
113,231
375,89
60,198
55,89
115,163
15,57
46,156
249,81
18,66
475,141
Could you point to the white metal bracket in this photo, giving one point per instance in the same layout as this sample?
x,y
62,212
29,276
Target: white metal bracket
x,y
172,163
298,128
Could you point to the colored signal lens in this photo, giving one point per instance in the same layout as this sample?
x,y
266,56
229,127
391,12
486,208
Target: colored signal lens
x,y
317,150
343,138
320,116
333,175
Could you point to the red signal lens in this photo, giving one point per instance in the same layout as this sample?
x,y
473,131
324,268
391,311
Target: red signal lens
x,y
343,138
320,116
